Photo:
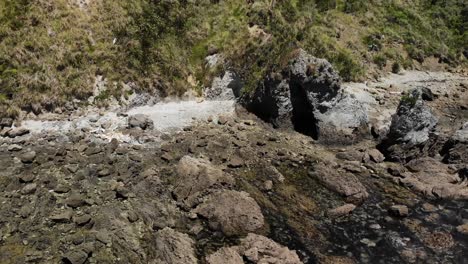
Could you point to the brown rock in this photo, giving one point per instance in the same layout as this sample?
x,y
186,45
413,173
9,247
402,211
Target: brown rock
x,y
174,247
463,229
345,183
399,210
197,177
342,210
232,212
376,156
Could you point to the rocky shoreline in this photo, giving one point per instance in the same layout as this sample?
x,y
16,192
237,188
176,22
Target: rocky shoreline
x,y
380,178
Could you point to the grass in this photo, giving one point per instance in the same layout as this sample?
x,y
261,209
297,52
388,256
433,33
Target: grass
x,y
51,51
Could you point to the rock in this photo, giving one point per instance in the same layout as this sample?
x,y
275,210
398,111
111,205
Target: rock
x,y
254,249
268,185
75,200
376,156
174,247
140,121
434,179
463,229
342,210
225,255
26,177
427,95
75,257
235,162
308,97
350,155
29,188
232,212
63,217
345,183
259,249
6,122
28,157
428,208
399,210
17,132
14,147
196,178
82,220
226,87
222,120
455,150
409,130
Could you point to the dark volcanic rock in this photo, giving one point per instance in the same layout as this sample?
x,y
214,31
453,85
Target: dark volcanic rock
x,y
307,96
455,149
410,128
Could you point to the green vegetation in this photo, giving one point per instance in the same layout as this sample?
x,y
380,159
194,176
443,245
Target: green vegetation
x,y
51,50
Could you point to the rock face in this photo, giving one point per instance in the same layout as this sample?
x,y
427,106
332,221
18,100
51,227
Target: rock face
x,y
232,212
196,178
140,121
308,97
226,87
174,248
410,128
254,249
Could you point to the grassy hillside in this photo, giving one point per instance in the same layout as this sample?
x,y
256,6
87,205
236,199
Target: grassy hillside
x,y
52,50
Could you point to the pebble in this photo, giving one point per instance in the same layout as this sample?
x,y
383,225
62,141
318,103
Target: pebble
x,y
28,157
29,188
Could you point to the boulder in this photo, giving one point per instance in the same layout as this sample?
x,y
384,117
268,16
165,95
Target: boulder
x,y
140,121
410,128
308,97
254,249
455,150
174,247
232,212
196,178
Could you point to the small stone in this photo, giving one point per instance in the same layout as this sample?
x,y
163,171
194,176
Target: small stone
x,y
62,189
75,257
222,120
399,210
235,162
82,220
368,242
104,172
14,147
26,178
17,132
63,217
76,200
29,188
463,229
132,217
376,156
28,157
342,210
428,208
268,185
167,157
375,226
26,210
